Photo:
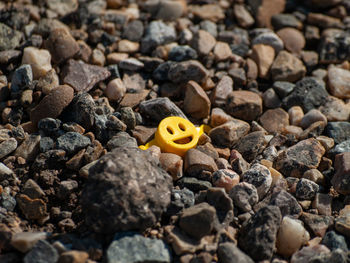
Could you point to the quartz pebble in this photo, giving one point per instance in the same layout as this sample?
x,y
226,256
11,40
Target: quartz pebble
x,y
115,90
38,59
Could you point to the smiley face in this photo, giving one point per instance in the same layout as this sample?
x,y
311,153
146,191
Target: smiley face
x,y
176,135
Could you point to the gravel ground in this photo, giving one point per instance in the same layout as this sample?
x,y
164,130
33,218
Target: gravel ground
x,y
83,83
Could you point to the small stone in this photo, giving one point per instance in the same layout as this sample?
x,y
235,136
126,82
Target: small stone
x,y
22,79
271,99
243,17
342,224
225,178
230,253
334,241
48,82
287,203
252,69
157,33
126,46
222,51
269,39
317,224
263,55
290,163
326,142
219,117
280,21
38,59
61,45
5,171
274,120
98,58
293,39
244,196
283,88
307,253
182,53
198,220
29,149
115,90
341,178
33,209
251,145
120,140
25,241
306,189
291,236
340,148
228,133
193,184
7,147
182,72
131,64
32,189
339,131
160,108
221,91
311,117
66,188
73,256
265,10
314,175
331,48
52,104
258,236
287,67
296,114
259,176
180,199
42,252
170,10
238,75
212,12
196,162
71,142
324,21
338,80
335,109
196,101
245,105
173,164
323,204
82,76
133,99
9,38
203,42
133,30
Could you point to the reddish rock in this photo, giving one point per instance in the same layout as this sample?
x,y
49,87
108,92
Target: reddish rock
x,y
292,38
274,120
266,9
196,102
263,55
223,88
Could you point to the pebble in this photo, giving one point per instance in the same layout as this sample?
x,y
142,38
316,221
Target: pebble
x,y
338,131
335,109
293,39
259,176
342,224
340,148
52,104
131,64
33,209
72,142
61,45
196,101
225,178
243,17
289,163
138,210
48,82
323,204
203,42
212,12
341,178
280,21
219,117
307,253
157,33
338,80
73,256
314,175
274,120
306,189
198,220
196,162
270,39
244,105
296,114
287,67
184,71
317,224
334,241
251,145
22,79
258,236
291,236
230,253
182,53
311,117
180,199
29,148
271,99
287,204
127,46
244,195
32,189
42,252
193,184
221,91
115,90
229,133
7,147
133,30
330,50
263,55
120,140
283,88
5,171
38,59
81,76
222,51
25,241
173,164
10,39
316,95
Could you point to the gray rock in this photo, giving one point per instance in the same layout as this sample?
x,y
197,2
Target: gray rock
x,y
131,247
160,108
133,30
180,199
122,139
7,201
334,48
271,39
46,144
285,20
306,189
339,131
334,241
259,176
42,252
244,196
193,184
182,72
22,79
287,203
5,171
341,178
209,26
131,64
257,238
283,88
157,33
340,148
161,72
9,38
182,53
130,181
7,147
251,145
49,126
71,142
128,117
230,253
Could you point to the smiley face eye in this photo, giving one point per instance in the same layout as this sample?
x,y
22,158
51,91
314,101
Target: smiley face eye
x,y
170,130
182,127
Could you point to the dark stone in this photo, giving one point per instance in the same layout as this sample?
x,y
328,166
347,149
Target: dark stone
x,y
160,73
334,241
114,70
21,79
133,30
182,72
193,184
306,189
182,53
308,94
125,190
244,196
340,148
257,238
230,253
339,131
341,178
251,145
287,203
318,224
283,88
334,48
49,126
72,142
42,252
285,20
180,199
157,33
46,144
121,139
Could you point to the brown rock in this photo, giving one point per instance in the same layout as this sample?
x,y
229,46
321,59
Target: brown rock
x,y
133,99
245,105
203,42
341,179
323,21
266,9
218,117
339,82
143,134
52,104
83,77
342,224
274,120
335,109
223,88
243,17
252,69
263,55
61,45
170,10
287,67
323,204
212,12
222,51
292,38
196,162
300,157
172,163
196,101
33,209
318,224
29,148
296,114
115,90
73,256
312,116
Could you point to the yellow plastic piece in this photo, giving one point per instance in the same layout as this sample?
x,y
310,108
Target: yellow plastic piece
x,y
176,135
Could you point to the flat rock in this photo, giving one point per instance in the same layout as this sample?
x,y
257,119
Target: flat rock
x,y
287,67
274,120
184,71
52,104
287,203
335,109
81,76
342,224
245,105
300,157
196,101
130,180
223,88
25,241
196,162
129,247
29,148
72,142
212,12
33,209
